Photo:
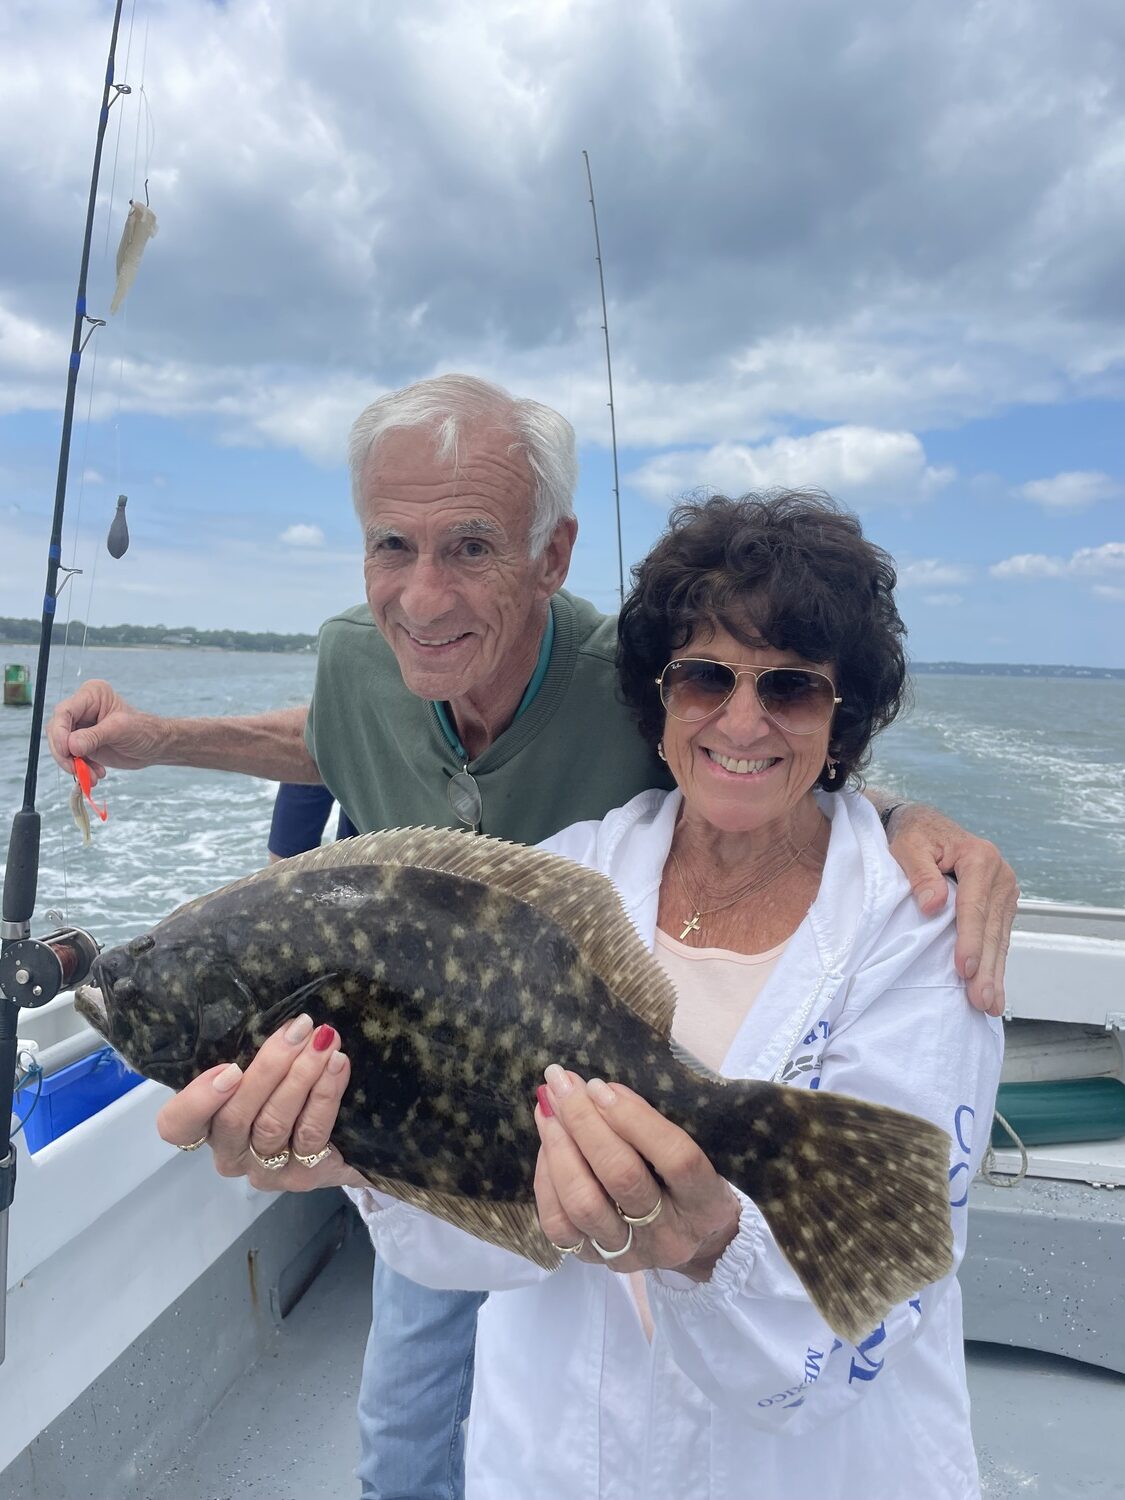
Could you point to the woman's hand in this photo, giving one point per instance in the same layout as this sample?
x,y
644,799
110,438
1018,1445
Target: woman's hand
x,y
601,1145
287,1100
927,845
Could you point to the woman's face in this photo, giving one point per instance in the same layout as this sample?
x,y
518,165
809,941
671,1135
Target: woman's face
x,y
737,769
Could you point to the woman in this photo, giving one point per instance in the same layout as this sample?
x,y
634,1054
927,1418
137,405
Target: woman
x,y
675,1354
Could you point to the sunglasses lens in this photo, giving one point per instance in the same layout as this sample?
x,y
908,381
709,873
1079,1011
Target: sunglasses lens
x,y
465,800
692,689
797,700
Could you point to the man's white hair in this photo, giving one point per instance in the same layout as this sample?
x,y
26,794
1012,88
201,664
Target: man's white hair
x,y
448,403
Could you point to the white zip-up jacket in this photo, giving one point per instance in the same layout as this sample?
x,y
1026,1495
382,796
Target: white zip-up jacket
x,y
744,1391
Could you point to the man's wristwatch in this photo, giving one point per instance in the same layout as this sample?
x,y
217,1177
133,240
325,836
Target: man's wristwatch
x,y
887,813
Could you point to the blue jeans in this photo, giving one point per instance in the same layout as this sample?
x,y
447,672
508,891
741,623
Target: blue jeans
x,y
415,1391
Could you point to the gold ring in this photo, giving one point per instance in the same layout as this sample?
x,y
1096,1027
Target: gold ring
x,y
315,1159
270,1163
613,1254
645,1218
569,1249
195,1145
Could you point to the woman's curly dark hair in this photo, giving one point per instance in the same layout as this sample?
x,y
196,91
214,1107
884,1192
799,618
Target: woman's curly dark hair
x,y
790,567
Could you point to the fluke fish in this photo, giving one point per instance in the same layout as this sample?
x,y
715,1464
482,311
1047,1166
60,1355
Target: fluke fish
x,y
455,969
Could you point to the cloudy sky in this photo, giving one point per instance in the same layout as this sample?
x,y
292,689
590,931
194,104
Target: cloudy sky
x,y
877,247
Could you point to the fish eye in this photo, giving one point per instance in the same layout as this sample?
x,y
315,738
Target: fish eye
x,y
141,945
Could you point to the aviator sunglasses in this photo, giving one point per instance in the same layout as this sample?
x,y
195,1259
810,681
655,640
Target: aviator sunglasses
x,y
797,699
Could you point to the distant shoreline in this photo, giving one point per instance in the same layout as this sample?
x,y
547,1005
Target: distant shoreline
x,y
16,632
25,633
1010,669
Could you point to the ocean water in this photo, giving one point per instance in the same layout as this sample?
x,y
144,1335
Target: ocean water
x,y
1037,764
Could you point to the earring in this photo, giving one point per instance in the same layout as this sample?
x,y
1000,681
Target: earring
x,y
660,751
832,764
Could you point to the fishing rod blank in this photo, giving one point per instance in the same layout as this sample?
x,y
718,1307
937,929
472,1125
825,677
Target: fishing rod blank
x,y
32,971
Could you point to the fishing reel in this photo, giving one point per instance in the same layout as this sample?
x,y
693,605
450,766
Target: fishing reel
x,y
34,970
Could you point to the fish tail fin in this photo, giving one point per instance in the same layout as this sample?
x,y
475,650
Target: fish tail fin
x,y
855,1194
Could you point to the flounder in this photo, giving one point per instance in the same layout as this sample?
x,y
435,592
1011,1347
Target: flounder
x,y
455,968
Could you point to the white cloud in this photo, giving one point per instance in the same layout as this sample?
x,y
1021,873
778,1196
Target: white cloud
x,y
930,572
199,581
943,601
852,463
1092,561
1087,562
936,240
1074,489
29,348
91,476
1108,591
1029,565
302,535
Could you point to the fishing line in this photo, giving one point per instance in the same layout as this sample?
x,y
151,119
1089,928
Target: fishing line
x,y
72,572
609,377
150,143
137,133
117,144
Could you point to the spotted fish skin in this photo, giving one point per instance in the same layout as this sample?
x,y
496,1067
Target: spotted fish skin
x,y
450,998
452,993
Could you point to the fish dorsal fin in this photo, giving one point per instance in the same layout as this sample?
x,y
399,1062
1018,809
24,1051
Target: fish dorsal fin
x,y
694,1065
198,902
512,1226
584,903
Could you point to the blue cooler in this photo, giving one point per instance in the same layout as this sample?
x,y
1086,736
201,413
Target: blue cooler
x,y
72,1095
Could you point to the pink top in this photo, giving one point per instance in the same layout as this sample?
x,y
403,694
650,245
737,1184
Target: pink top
x,y
714,990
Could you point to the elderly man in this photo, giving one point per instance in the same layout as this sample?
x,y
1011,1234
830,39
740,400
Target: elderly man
x,y
471,690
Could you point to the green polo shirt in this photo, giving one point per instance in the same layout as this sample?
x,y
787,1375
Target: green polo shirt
x,y
572,753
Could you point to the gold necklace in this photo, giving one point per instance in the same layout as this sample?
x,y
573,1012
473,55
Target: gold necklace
x,y
691,923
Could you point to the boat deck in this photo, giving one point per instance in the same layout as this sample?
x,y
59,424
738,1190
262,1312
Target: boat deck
x,y
1046,1428
222,1362
288,1430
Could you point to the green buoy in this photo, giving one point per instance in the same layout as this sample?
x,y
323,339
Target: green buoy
x,y
17,686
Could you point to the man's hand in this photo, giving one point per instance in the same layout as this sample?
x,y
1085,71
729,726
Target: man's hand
x,y
928,845
287,1100
97,724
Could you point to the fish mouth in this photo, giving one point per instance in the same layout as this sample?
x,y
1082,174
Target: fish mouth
x,y
90,1003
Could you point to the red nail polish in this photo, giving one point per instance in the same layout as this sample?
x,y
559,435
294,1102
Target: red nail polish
x,y
544,1101
323,1038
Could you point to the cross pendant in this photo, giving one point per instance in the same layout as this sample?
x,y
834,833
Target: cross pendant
x,y
691,925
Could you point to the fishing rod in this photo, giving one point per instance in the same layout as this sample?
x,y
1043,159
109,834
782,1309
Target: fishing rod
x,y
609,377
34,970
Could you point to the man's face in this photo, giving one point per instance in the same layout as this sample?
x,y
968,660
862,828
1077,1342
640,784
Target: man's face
x,y
449,580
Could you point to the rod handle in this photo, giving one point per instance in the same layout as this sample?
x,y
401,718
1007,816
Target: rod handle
x,y
22,875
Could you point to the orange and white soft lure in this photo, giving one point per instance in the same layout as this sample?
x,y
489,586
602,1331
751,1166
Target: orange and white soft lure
x,y
81,793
